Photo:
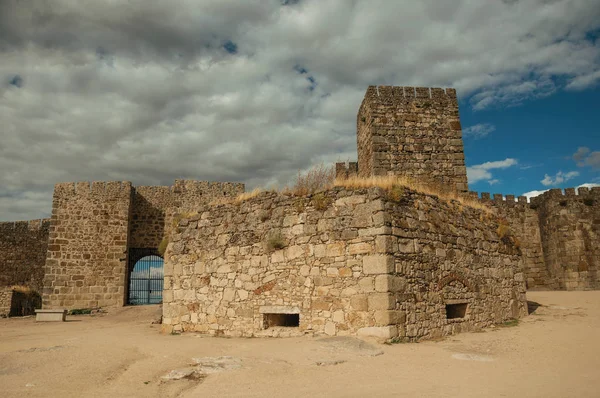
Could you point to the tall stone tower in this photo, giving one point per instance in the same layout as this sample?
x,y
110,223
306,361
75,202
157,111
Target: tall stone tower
x,y
412,132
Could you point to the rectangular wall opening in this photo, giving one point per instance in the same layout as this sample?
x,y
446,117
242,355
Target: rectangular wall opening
x,y
456,311
285,320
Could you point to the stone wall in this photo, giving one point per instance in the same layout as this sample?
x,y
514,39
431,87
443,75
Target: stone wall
x,y
23,247
523,222
226,269
86,262
442,253
570,235
18,302
413,132
5,300
154,206
347,262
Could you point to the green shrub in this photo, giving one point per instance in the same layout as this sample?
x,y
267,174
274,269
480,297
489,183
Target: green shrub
x,y
275,242
321,202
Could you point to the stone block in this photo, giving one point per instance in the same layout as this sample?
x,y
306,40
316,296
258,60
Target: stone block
x,y
378,264
359,302
389,317
50,315
381,301
380,332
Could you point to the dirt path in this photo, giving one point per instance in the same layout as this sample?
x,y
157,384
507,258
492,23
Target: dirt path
x,y
555,352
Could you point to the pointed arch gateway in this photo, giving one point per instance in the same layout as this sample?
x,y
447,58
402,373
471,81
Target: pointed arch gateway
x,y
146,277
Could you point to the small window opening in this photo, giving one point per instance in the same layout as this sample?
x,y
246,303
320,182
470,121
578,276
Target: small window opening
x,y
455,311
286,320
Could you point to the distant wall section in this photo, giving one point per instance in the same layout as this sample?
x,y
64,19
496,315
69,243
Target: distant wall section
x,y
154,207
570,234
23,246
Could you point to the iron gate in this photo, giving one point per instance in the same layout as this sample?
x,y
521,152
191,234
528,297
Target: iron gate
x,y
145,277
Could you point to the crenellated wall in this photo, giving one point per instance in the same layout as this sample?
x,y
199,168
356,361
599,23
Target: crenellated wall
x,y
558,235
86,264
23,246
413,132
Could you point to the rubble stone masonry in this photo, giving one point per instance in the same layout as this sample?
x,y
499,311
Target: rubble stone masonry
x,y
412,132
23,247
570,236
86,264
346,262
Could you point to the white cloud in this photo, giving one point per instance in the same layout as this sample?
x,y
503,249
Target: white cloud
x,y
584,157
588,185
478,130
250,91
481,172
532,194
559,178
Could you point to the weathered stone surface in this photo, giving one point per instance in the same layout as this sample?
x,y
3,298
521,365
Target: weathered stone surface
x,y
23,247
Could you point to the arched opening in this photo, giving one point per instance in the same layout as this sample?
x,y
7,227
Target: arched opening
x,y
146,281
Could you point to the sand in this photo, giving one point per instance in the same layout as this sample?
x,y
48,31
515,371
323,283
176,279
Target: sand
x,y
554,352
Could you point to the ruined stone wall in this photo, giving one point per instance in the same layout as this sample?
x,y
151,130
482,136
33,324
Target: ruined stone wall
x,y
446,254
226,269
154,207
570,234
6,293
413,132
23,247
351,262
86,261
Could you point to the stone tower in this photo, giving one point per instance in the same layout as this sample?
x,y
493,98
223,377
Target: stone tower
x,y
413,132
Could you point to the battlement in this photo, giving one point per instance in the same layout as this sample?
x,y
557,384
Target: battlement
x,y
345,170
557,193
87,188
498,199
393,94
208,187
29,225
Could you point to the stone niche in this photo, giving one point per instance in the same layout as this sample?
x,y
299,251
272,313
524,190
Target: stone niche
x,y
341,262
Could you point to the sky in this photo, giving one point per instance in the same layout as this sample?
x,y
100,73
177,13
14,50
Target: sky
x,y
254,91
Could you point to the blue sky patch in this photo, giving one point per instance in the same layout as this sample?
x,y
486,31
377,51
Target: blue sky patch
x,y
16,81
230,47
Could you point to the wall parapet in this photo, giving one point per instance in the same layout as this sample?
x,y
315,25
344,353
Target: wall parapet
x,y
345,170
31,225
391,94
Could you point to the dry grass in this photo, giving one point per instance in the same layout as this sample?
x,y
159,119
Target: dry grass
x,y
238,199
319,177
22,289
393,183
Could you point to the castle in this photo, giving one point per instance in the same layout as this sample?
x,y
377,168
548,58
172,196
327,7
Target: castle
x,y
401,264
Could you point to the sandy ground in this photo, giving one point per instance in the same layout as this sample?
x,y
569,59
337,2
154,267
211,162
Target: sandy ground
x,y
555,352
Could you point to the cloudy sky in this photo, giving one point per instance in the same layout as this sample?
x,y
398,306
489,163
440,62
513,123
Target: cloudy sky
x,y
255,90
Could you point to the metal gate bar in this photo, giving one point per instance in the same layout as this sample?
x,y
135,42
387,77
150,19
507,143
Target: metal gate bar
x,y
146,278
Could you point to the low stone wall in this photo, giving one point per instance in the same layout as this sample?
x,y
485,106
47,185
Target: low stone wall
x,y
341,262
5,300
18,303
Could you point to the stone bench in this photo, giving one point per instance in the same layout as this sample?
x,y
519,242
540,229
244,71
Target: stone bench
x,y
53,315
